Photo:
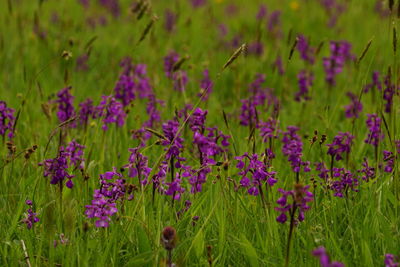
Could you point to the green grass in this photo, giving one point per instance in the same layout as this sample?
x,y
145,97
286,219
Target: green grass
x,y
357,230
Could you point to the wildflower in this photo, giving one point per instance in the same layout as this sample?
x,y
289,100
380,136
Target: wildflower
x,y
324,259
376,83
66,108
354,108
57,169
390,260
305,81
268,129
388,158
7,120
306,51
111,111
341,144
300,197
75,154
138,166
255,174
206,86
333,65
31,217
293,149
170,20
262,12
375,134
86,110
367,171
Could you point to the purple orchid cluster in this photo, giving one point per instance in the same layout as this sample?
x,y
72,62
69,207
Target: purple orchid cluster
x,y
269,130
206,86
86,111
31,217
389,88
111,111
57,168
354,108
305,80
173,142
375,84
254,174
300,197
307,52
367,172
179,77
7,120
391,261
138,166
104,204
333,65
341,145
259,97
293,149
324,258
133,82
375,134
343,181
333,9
388,158
66,108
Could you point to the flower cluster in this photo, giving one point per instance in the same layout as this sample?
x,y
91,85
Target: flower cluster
x,y
388,158
300,198
104,203
254,174
179,77
172,141
306,51
66,108
268,129
341,144
111,111
333,65
293,149
31,217
376,82
324,259
375,134
7,120
305,80
86,110
390,261
344,180
138,166
75,154
57,168
354,108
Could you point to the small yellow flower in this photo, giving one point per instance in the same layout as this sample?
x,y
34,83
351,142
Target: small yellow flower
x,y
294,5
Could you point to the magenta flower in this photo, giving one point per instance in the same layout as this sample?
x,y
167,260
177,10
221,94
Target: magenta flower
x,y
324,259
390,260
300,196
7,120
333,65
86,110
138,166
388,158
254,174
170,20
111,111
66,108
354,108
306,51
293,149
75,154
375,134
305,80
31,217
341,144
376,82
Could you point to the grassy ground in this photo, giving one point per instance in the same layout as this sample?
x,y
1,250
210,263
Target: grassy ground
x,y
234,228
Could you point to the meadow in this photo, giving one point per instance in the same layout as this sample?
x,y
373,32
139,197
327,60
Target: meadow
x,y
199,133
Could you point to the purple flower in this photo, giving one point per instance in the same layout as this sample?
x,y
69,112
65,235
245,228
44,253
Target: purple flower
x,y
173,141
341,144
390,260
293,149
268,129
388,158
262,12
104,203
300,196
75,154
138,166
324,259
278,64
169,62
334,9
57,168
305,80
375,134
7,120
367,171
111,111
254,174
31,217
388,93
197,120
174,188
354,108
323,171
66,108
274,22
198,3
170,20
112,6
206,85
376,82
86,110
255,48
333,65
306,51
81,62
344,180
